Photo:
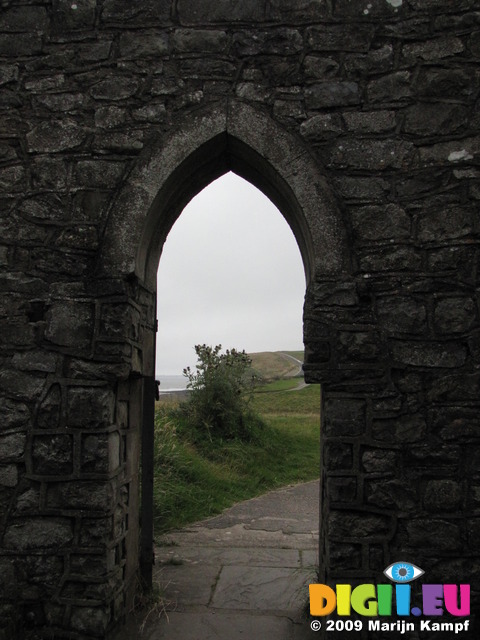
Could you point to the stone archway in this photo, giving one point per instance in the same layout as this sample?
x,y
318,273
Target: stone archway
x,y
229,136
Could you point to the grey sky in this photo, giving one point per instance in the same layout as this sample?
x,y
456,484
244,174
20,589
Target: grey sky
x,y
230,273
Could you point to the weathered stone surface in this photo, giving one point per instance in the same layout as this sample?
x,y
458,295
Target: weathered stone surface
x,y
377,223
345,417
455,315
38,533
360,120
69,324
52,455
12,447
374,62
115,88
358,525
402,314
71,16
442,495
372,155
53,137
404,429
427,119
379,460
144,13
340,38
332,94
397,86
429,534
90,407
429,354
147,43
322,127
221,11
80,495
370,121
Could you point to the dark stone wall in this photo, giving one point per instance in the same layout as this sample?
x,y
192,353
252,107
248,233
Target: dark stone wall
x,y
372,107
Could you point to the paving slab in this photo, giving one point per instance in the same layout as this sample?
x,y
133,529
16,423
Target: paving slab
x,y
242,575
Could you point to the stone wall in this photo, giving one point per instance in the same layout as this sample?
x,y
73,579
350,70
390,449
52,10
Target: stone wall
x,y
360,120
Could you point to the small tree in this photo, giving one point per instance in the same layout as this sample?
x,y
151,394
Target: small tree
x,y
220,394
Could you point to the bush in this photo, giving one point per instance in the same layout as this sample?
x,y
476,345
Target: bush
x,y
220,394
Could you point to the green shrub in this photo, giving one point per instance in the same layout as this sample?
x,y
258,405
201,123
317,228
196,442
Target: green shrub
x,y
218,405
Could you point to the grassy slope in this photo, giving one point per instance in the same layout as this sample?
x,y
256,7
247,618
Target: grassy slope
x,y
192,482
274,365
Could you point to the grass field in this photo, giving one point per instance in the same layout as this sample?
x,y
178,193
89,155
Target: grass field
x,y
194,481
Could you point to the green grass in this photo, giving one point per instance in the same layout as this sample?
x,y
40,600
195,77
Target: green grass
x,y
194,481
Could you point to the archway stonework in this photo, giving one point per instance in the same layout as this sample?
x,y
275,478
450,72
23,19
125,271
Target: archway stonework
x,y
359,123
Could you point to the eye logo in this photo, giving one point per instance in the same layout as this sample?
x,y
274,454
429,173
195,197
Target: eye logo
x,y
403,572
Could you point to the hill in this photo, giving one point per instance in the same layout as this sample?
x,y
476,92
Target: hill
x,y
278,364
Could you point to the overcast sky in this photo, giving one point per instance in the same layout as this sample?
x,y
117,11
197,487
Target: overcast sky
x,y
231,274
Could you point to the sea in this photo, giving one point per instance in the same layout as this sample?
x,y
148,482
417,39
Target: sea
x,y
170,383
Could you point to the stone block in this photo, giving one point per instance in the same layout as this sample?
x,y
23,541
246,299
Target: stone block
x,y
55,136
433,534
90,620
38,533
144,44
43,361
429,354
455,315
357,346
119,321
381,222
301,10
442,495
70,324
374,62
90,407
12,447
28,502
433,50
372,155
455,423
14,45
357,525
346,9
379,461
322,127
344,416
52,455
95,531
50,173
342,489
445,83
338,455
100,454
345,557
153,112
316,66
340,37
70,16
402,314
203,11
24,19
13,415
99,173
369,121
115,88
332,94
401,430
110,117
78,494
146,13
362,189
391,88
426,119
8,475
200,41
390,494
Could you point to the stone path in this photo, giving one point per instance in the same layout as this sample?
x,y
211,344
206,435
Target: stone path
x,y
242,575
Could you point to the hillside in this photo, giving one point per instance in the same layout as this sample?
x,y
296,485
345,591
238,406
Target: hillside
x,y
277,365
